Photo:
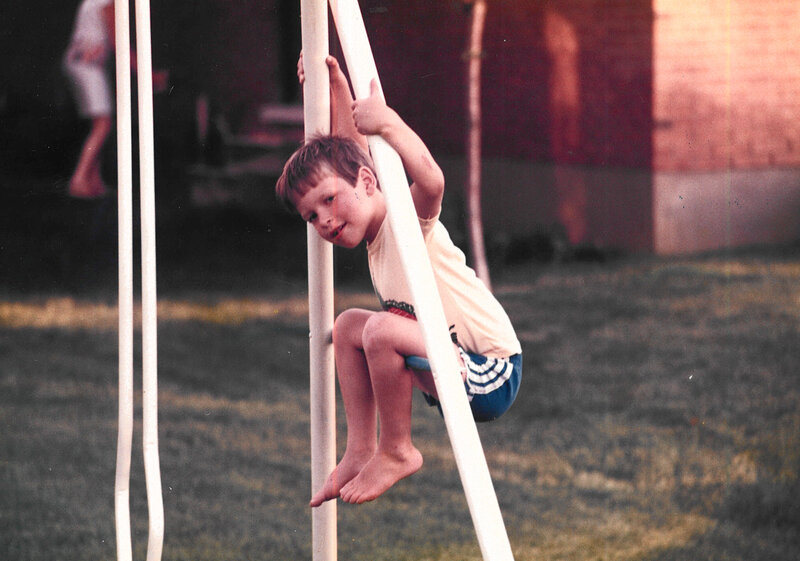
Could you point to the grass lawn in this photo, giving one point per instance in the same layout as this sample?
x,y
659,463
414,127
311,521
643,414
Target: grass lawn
x,y
658,419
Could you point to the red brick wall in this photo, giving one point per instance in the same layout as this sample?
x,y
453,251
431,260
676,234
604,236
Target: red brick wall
x,y
727,84
662,84
568,81
417,47
605,48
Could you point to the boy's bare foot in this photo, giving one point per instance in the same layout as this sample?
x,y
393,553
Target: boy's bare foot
x,y
381,472
347,469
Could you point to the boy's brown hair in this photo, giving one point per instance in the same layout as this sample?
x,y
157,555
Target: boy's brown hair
x,y
316,159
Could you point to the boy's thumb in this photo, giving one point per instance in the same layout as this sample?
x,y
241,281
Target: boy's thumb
x,y
374,88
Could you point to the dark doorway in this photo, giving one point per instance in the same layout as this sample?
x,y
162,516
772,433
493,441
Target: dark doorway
x,y
290,44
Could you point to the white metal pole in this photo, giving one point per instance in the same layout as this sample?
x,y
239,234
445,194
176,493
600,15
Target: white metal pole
x,y
155,504
316,112
125,254
464,438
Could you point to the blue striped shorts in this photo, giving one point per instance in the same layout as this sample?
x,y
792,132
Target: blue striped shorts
x,y
491,384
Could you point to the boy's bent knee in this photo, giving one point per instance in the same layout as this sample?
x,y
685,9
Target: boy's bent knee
x,y
379,332
349,326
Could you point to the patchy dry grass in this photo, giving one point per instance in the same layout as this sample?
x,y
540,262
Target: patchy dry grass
x,y
658,421
66,312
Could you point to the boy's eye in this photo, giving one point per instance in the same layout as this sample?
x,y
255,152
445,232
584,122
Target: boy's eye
x,y
330,199
311,218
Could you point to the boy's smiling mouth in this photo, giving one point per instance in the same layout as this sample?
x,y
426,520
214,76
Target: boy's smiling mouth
x,y
336,232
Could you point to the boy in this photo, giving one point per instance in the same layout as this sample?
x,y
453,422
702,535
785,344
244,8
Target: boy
x,y
331,183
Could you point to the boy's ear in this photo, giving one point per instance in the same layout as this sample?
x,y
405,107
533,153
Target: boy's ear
x,y
368,178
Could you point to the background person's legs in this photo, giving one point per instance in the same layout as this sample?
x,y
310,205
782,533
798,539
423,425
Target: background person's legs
x,y
91,87
87,181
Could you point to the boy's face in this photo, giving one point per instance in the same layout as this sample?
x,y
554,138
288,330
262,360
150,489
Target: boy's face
x,y
341,213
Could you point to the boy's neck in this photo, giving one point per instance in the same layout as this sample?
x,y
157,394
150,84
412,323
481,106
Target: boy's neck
x,y
378,217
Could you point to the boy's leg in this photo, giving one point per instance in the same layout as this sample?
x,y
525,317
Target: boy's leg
x,y
388,339
359,402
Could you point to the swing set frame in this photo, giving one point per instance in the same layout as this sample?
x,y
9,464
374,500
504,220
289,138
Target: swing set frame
x,y
467,448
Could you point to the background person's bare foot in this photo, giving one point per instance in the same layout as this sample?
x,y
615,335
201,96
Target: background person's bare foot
x,y
87,190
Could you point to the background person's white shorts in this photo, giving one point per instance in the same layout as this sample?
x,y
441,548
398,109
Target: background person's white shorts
x,y
91,86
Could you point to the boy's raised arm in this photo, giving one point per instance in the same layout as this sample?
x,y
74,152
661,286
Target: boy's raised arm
x,y
373,116
341,101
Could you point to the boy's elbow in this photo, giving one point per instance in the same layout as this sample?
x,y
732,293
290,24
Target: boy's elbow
x,y
432,187
436,193
435,178
438,184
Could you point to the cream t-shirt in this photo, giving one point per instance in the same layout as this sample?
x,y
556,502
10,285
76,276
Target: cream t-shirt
x,y
475,317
